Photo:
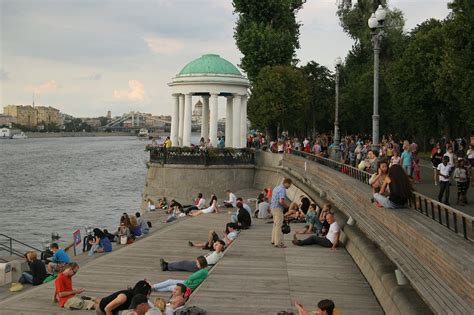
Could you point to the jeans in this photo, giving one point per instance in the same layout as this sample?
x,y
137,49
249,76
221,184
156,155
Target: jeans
x,y
385,202
184,265
407,169
26,277
94,247
166,286
315,240
443,190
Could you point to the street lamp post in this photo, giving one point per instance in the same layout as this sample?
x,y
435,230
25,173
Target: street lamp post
x,y
337,64
376,22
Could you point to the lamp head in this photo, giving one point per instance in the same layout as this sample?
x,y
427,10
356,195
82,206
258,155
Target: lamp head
x,y
380,14
338,62
372,22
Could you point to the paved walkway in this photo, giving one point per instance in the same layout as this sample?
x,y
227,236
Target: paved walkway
x,y
427,187
252,278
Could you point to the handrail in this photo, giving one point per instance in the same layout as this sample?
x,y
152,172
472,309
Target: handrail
x,y
12,250
439,212
197,156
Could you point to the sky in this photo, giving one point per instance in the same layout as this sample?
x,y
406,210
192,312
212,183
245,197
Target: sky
x,y
86,57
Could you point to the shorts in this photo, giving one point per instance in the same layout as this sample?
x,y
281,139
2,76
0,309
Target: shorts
x,y
215,238
79,303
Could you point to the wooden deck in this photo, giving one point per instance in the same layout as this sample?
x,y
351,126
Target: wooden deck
x,y
252,278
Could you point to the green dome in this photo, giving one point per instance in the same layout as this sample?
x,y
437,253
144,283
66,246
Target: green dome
x,y
209,64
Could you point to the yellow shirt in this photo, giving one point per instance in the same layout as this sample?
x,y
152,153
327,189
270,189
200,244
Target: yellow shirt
x,y
167,143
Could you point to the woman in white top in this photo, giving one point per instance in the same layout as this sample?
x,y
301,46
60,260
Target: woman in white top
x,y
212,207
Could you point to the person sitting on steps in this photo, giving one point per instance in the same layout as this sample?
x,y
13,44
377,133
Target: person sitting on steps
x,y
192,282
231,202
212,208
190,265
230,234
330,240
313,225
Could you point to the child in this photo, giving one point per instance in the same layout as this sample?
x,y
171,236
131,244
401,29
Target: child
x,y
461,176
395,158
417,170
313,224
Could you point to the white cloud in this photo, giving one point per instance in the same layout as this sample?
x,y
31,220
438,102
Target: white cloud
x,y
162,45
135,93
45,87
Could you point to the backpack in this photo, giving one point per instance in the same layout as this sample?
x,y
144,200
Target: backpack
x,y
191,310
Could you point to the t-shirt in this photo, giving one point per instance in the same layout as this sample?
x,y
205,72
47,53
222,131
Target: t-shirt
x,y
61,257
333,230
213,258
263,210
460,174
196,278
407,157
311,218
201,204
105,244
444,170
451,158
279,192
63,283
231,236
232,199
125,306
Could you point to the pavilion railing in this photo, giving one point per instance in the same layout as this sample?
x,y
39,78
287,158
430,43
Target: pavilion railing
x,y
451,218
196,156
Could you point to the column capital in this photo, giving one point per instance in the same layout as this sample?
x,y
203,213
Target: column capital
x,y
176,94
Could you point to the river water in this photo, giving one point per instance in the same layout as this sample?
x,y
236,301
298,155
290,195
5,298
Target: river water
x,y
61,184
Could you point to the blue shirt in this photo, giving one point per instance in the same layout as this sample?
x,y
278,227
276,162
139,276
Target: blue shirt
x,y
278,193
105,244
61,257
406,156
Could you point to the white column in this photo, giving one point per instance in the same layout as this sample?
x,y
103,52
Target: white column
x,y
181,120
213,119
188,106
174,121
243,122
236,121
228,122
205,118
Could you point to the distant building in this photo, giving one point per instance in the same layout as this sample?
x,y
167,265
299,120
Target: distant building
x,y
25,115
48,115
30,116
109,114
6,120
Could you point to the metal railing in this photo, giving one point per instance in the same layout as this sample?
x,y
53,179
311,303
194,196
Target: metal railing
x,y
449,217
15,247
196,156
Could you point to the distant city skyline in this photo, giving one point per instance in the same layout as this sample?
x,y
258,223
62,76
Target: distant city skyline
x,y
88,57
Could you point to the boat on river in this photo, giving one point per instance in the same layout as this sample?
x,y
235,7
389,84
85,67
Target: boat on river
x,y
7,133
143,133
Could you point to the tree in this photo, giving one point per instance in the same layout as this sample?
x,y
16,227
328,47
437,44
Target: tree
x,y
266,33
321,97
280,100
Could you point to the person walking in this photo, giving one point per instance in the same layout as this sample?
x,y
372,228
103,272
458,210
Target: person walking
x,y
444,172
277,205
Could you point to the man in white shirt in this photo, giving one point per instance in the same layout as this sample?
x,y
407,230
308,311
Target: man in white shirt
x,y
330,240
232,201
444,172
190,265
264,209
230,234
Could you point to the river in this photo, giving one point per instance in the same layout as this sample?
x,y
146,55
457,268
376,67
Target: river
x,y
61,184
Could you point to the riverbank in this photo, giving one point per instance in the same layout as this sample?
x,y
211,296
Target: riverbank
x,y
78,134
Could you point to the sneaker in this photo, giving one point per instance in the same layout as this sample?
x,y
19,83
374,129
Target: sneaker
x,y
15,287
163,264
190,243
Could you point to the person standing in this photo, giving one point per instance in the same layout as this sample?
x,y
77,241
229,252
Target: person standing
x,y
277,205
407,158
436,159
444,171
167,144
461,176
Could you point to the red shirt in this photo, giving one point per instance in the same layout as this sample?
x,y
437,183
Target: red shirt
x,y
63,283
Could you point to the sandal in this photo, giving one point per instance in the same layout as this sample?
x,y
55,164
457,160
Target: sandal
x,y
281,245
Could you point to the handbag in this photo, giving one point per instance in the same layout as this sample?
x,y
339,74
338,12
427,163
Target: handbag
x,y
285,228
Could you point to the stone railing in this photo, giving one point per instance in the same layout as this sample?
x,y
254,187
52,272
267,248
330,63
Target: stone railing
x,y
196,156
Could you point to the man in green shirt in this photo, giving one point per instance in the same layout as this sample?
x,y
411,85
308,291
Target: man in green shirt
x,y
192,282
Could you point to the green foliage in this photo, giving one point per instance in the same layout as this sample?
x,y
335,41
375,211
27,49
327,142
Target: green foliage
x,y
280,99
266,33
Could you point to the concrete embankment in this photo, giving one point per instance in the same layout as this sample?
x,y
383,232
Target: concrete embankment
x,y
77,134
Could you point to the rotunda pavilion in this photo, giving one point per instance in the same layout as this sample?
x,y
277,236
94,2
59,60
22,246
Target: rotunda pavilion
x,y
210,77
